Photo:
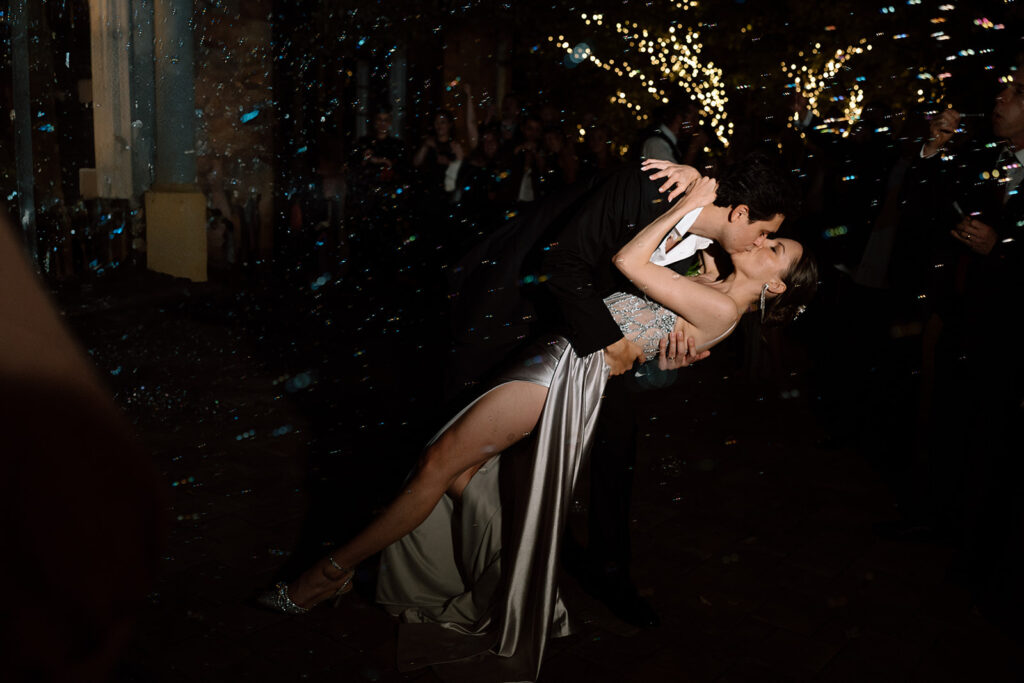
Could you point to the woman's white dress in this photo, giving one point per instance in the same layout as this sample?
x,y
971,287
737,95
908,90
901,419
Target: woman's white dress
x,y
475,585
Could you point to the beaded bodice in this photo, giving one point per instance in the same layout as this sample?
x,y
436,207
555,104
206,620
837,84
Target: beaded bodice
x,y
640,320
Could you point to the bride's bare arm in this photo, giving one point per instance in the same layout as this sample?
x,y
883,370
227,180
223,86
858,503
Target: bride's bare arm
x,y
707,312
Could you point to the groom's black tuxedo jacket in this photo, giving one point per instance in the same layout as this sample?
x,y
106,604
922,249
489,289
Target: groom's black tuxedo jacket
x,y
993,280
979,192
549,268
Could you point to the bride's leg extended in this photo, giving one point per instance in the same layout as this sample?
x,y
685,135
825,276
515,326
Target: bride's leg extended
x,y
497,420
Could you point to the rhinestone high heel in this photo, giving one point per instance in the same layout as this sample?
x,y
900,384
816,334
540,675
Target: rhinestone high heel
x,y
278,599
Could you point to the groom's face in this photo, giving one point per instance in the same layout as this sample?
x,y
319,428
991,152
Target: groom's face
x,y
743,235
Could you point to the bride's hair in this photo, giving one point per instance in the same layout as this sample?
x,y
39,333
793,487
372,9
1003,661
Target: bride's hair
x,y
801,284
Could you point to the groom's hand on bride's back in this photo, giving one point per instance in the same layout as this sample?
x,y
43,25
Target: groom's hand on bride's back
x,y
675,353
621,356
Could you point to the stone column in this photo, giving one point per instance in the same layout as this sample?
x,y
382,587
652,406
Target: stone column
x,y
362,97
397,83
23,125
175,208
143,106
175,92
502,67
110,30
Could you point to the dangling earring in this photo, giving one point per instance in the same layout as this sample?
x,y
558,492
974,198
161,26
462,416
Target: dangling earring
x,y
764,292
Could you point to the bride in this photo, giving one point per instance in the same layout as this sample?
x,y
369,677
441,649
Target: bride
x,y
473,583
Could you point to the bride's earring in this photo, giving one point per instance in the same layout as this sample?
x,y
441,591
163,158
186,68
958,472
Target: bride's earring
x,y
764,293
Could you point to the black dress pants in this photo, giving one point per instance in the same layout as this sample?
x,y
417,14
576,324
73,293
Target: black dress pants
x,y
612,462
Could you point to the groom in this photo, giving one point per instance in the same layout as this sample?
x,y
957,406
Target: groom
x,y
567,242
752,200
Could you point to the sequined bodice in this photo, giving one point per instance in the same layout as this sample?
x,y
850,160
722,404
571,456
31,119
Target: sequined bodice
x,y
640,320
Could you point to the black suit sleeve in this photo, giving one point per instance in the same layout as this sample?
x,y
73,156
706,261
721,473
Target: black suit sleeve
x,y
579,266
984,197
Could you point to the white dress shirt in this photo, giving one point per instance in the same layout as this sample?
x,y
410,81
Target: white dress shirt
x,y
658,148
1013,163
689,245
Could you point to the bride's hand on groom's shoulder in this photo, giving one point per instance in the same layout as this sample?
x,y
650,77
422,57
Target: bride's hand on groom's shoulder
x,y
678,177
702,192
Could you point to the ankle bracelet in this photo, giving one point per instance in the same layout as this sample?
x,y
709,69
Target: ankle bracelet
x,y
343,570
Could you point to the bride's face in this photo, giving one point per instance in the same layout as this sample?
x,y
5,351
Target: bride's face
x,y
770,262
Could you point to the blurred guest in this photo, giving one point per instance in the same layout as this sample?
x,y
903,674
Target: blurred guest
x,y
526,164
596,154
972,389
316,218
437,152
81,502
511,120
380,176
475,195
559,162
381,156
550,116
440,155
677,136
909,236
662,141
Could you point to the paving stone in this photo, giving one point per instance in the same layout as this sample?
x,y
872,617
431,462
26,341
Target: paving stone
x,y
746,670
792,611
872,658
568,666
695,656
793,654
615,651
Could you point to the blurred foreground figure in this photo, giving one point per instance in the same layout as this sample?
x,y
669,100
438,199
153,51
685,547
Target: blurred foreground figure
x,y
79,499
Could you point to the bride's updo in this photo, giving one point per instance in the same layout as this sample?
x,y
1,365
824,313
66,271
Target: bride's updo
x,y
801,284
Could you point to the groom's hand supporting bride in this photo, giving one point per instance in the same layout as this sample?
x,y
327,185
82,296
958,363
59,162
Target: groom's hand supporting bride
x,y
621,356
674,351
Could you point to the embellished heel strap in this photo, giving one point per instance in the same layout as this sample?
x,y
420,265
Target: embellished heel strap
x,y
343,570
347,586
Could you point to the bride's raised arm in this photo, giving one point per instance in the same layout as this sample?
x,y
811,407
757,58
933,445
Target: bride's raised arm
x,y
708,312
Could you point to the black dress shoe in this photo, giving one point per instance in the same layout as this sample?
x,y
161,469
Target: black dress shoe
x,y
625,603
632,609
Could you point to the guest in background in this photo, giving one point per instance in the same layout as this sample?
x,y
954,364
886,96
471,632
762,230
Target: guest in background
x,y
380,183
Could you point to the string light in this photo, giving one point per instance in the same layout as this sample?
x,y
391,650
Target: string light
x,y
672,56
812,82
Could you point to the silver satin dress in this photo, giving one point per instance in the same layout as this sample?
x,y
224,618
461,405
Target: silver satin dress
x,y
475,585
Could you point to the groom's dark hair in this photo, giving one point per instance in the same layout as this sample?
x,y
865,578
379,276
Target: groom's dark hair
x,y
760,184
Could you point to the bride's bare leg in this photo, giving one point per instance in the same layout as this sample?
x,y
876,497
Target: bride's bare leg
x,y
499,419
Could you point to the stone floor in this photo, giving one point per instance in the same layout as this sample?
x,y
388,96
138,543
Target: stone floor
x,y
279,422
